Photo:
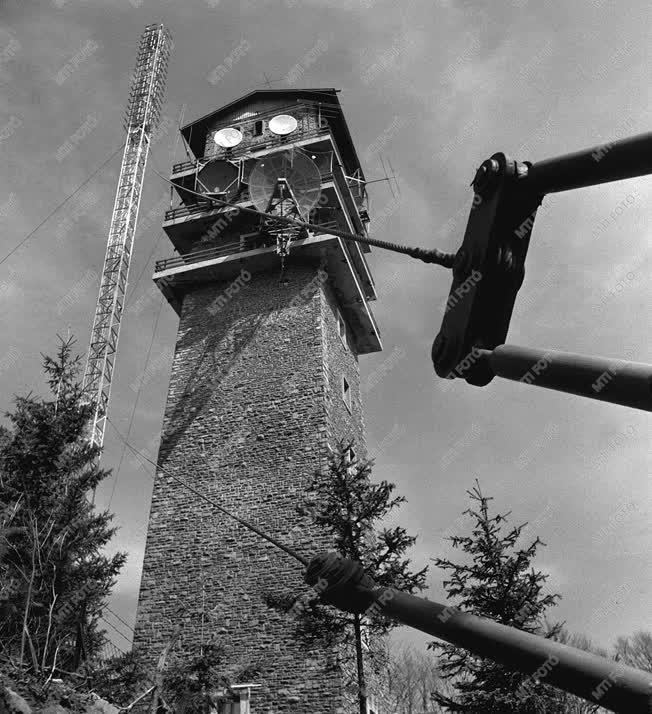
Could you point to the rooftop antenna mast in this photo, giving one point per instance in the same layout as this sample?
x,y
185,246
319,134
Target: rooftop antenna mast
x,y
389,178
267,82
141,120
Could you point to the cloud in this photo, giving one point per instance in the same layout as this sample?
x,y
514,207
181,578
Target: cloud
x,y
437,87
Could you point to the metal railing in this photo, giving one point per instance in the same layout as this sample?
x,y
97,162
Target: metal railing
x,y
203,206
185,165
249,148
198,256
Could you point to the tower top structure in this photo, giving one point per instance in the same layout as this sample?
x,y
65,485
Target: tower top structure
x,y
287,152
260,100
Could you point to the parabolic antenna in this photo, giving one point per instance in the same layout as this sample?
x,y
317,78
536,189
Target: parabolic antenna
x,y
219,177
282,124
228,137
290,169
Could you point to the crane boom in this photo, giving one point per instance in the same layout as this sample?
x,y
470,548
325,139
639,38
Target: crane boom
x,y
142,117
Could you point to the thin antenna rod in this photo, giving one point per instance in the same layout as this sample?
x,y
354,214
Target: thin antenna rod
x,y
391,168
387,177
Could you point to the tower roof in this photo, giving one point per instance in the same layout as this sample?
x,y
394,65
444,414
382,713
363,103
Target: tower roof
x,y
195,131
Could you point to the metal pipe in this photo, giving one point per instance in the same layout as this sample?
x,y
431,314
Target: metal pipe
x,y
611,161
343,583
594,678
601,378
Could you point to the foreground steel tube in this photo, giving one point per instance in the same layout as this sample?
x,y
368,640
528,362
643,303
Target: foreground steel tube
x,y
611,161
596,679
344,584
608,380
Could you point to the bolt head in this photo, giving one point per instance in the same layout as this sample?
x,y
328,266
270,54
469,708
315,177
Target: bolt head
x,y
485,175
505,258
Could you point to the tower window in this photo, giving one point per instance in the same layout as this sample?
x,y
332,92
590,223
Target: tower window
x,y
258,127
346,393
349,459
372,707
366,646
341,328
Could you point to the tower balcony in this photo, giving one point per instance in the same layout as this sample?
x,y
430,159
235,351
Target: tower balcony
x,y
347,192
255,254
261,148
186,225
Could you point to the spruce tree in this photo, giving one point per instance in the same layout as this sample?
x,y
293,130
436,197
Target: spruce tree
x,y
349,509
191,680
495,580
55,578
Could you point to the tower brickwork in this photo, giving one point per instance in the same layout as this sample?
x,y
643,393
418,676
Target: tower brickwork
x,y
265,379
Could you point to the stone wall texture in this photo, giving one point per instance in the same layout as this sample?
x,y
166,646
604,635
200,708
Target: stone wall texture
x,y
254,402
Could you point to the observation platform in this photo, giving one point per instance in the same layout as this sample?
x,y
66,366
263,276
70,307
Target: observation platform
x,y
225,263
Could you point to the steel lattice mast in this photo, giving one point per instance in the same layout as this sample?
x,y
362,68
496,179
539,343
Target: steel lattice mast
x,y
142,117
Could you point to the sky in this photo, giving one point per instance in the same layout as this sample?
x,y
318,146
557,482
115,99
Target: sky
x,y
436,86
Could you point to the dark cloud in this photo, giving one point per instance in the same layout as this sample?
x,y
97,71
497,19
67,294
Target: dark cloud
x,y
436,86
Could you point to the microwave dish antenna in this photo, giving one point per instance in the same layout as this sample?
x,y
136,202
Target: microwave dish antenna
x,y
287,184
282,124
228,138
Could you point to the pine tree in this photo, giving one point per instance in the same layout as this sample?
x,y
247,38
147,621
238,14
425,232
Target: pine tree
x,y
349,508
55,579
496,581
190,682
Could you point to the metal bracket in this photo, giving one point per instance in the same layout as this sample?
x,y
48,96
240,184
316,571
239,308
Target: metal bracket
x,y
488,270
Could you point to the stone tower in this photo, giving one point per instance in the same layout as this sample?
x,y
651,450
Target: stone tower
x,y
264,382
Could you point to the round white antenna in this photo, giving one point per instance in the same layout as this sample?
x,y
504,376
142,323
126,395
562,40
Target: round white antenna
x,y
228,138
291,168
282,124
